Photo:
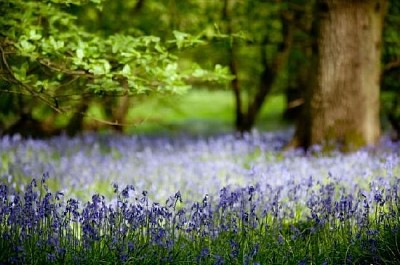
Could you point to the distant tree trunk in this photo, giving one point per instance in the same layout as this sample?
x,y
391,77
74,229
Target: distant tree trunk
x,y
391,72
75,124
246,117
138,7
27,126
342,105
270,73
300,61
294,99
120,112
394,117
239,115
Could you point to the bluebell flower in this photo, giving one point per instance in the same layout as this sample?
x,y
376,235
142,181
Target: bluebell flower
x,y
45,176
59,195
281,239
178,196
302,262
123,258
126,190
3,192
204,252
115,187
131,246
378,198
218,260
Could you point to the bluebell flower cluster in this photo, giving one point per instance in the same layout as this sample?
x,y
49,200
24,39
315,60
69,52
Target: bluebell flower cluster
x,y
209,201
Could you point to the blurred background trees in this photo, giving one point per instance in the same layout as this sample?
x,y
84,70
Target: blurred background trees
x,y
54,61
390,75
89,64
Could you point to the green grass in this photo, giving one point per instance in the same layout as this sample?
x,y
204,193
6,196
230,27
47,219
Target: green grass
x,y
200,112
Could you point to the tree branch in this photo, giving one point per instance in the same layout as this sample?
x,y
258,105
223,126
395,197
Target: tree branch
x,y
53,67
138,7
391,66
27,87
235,85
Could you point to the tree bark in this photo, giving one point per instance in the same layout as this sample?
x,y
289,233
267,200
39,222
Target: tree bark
x,y
239,115
245,119
138,7
75,124
270,73
343,101
120,111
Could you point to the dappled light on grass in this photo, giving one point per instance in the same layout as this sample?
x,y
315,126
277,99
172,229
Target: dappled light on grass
x,y
219,200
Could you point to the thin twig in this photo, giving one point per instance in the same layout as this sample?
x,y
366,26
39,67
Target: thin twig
x,y
391,65
112,123
25,86
52,66
13,92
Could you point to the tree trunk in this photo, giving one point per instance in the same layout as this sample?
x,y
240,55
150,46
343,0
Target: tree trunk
x,y
239,115
343,102
269,74
75,124
300,61
245,120
120,112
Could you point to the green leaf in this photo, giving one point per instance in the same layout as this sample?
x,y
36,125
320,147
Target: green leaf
x,y
171,68
100,67
56,44
180,35
198,73
26,46
126,70
150,39
20,72
97,70
79,53
180,38
33,35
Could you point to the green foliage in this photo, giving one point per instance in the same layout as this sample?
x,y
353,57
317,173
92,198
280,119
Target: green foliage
x,y
57,54
391,68
46,54
196,114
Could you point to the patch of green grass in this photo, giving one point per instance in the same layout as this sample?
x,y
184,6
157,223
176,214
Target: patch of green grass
x,y
4,161
200,112
271,114
103,187
53,184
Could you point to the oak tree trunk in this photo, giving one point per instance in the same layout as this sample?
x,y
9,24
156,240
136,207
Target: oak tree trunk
x,y
343,101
